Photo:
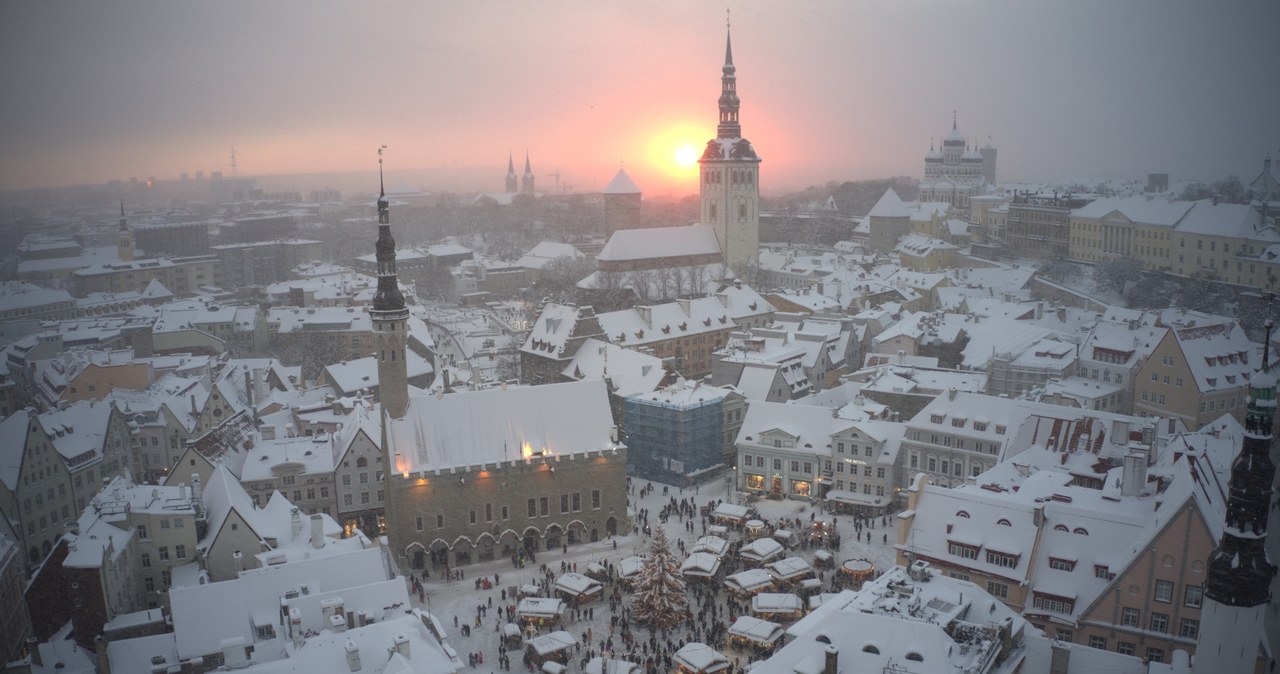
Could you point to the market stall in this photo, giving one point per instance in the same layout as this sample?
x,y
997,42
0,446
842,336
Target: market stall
x,y
732,515
597,571
777,606
512,637
712,544
577,589
754,528
823,559
554,647
702,566
789,570
699,658
755,634
749,582
786,537
858,570
760,552
629,570
538,612
600,665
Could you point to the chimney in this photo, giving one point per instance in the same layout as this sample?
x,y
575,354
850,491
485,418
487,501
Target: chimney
x,y
1059,657
646,315
1120,432
295,518
317,531
260,383
1134,474
951,393
831,660
193,405
353,657
248,390
233,653
195,488
402,644
338,623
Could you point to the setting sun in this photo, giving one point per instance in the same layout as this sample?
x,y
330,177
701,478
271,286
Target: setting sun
x,y
686,155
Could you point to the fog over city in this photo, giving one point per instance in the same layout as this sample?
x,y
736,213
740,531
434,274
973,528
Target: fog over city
x,y
832,90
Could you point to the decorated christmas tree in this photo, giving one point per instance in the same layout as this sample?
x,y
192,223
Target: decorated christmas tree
x,y
659,600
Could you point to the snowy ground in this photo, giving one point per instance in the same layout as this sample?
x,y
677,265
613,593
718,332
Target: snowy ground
x,y
460,598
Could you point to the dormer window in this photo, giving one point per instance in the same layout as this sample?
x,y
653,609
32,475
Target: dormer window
x,y
937,418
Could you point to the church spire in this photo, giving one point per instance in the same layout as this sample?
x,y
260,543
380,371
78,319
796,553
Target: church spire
x,y
1239,571
526,180
388,297
512,183
124,224
729,126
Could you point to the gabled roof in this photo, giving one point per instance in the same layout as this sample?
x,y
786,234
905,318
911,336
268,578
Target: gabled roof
x,y
889,206
660,242
621,184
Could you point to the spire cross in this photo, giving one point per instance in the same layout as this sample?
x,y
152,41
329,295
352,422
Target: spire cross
x,y
726,18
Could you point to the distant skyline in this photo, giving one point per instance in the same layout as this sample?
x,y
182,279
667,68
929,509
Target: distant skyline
x,y
831,90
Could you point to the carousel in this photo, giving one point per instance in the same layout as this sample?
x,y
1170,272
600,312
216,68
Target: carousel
x,y
858,570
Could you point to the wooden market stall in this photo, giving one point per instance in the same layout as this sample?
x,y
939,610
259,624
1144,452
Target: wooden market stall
x,y
577,589
786,537
539,612
749,582
702,566
629,569
823,559
759,552
790,570
601,665
712,544
554,647
597,571
777,606
858,570
755,634
512,637
732,515
698,658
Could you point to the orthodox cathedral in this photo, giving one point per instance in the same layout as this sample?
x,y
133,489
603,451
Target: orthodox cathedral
x,y
959,171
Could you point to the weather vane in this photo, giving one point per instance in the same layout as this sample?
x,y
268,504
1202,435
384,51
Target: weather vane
x,y
381,184
726,17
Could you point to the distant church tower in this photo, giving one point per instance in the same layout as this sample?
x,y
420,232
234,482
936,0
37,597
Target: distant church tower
x,y
1238,584
124,237
622,201
389,315
526,180
730,178
511,175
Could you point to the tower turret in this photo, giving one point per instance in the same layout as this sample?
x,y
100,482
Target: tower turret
x,y
730,177
1238,582
124,237
526,180
389,314
511,175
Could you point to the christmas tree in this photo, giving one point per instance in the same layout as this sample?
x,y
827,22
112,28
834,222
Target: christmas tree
x,y
659,600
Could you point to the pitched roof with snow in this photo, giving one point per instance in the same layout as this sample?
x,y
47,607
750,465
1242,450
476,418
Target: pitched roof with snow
x,y
659,242
490,426
621,184
889,206
628,370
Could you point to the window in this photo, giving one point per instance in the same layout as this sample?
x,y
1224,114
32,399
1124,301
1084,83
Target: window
x,y
962,550
1065,634
149,584
472,517
595,498
1160,622
1061,564
505,514
1098,642
997,590
1193,597
1054,604
288,479
142,532
164,524
179,523
1190,629
146,560
1002,560
1130,617
439,521
1126,648
576,500
544,506
1155,654
1164,591
777,464
533,507
564,503
164,554
418,523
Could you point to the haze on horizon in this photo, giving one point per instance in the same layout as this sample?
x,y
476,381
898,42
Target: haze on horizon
x,y
830,90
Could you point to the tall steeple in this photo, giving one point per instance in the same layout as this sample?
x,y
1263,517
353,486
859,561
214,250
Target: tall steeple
x,y
526,180
512,185
124,237
730,177
389,314
729,126
1238,583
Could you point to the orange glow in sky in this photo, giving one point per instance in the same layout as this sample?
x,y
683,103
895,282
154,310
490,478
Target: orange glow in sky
x,y
673,151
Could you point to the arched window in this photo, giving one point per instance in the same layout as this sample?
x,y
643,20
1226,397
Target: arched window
x,y
870,649
362,462
915,656
1004,523
1080,530
1061,527
962,513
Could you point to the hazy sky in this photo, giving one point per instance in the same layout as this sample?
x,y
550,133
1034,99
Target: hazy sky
x,y
831,90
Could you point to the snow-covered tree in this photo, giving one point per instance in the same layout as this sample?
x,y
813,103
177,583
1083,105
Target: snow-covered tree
x,y
660,600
